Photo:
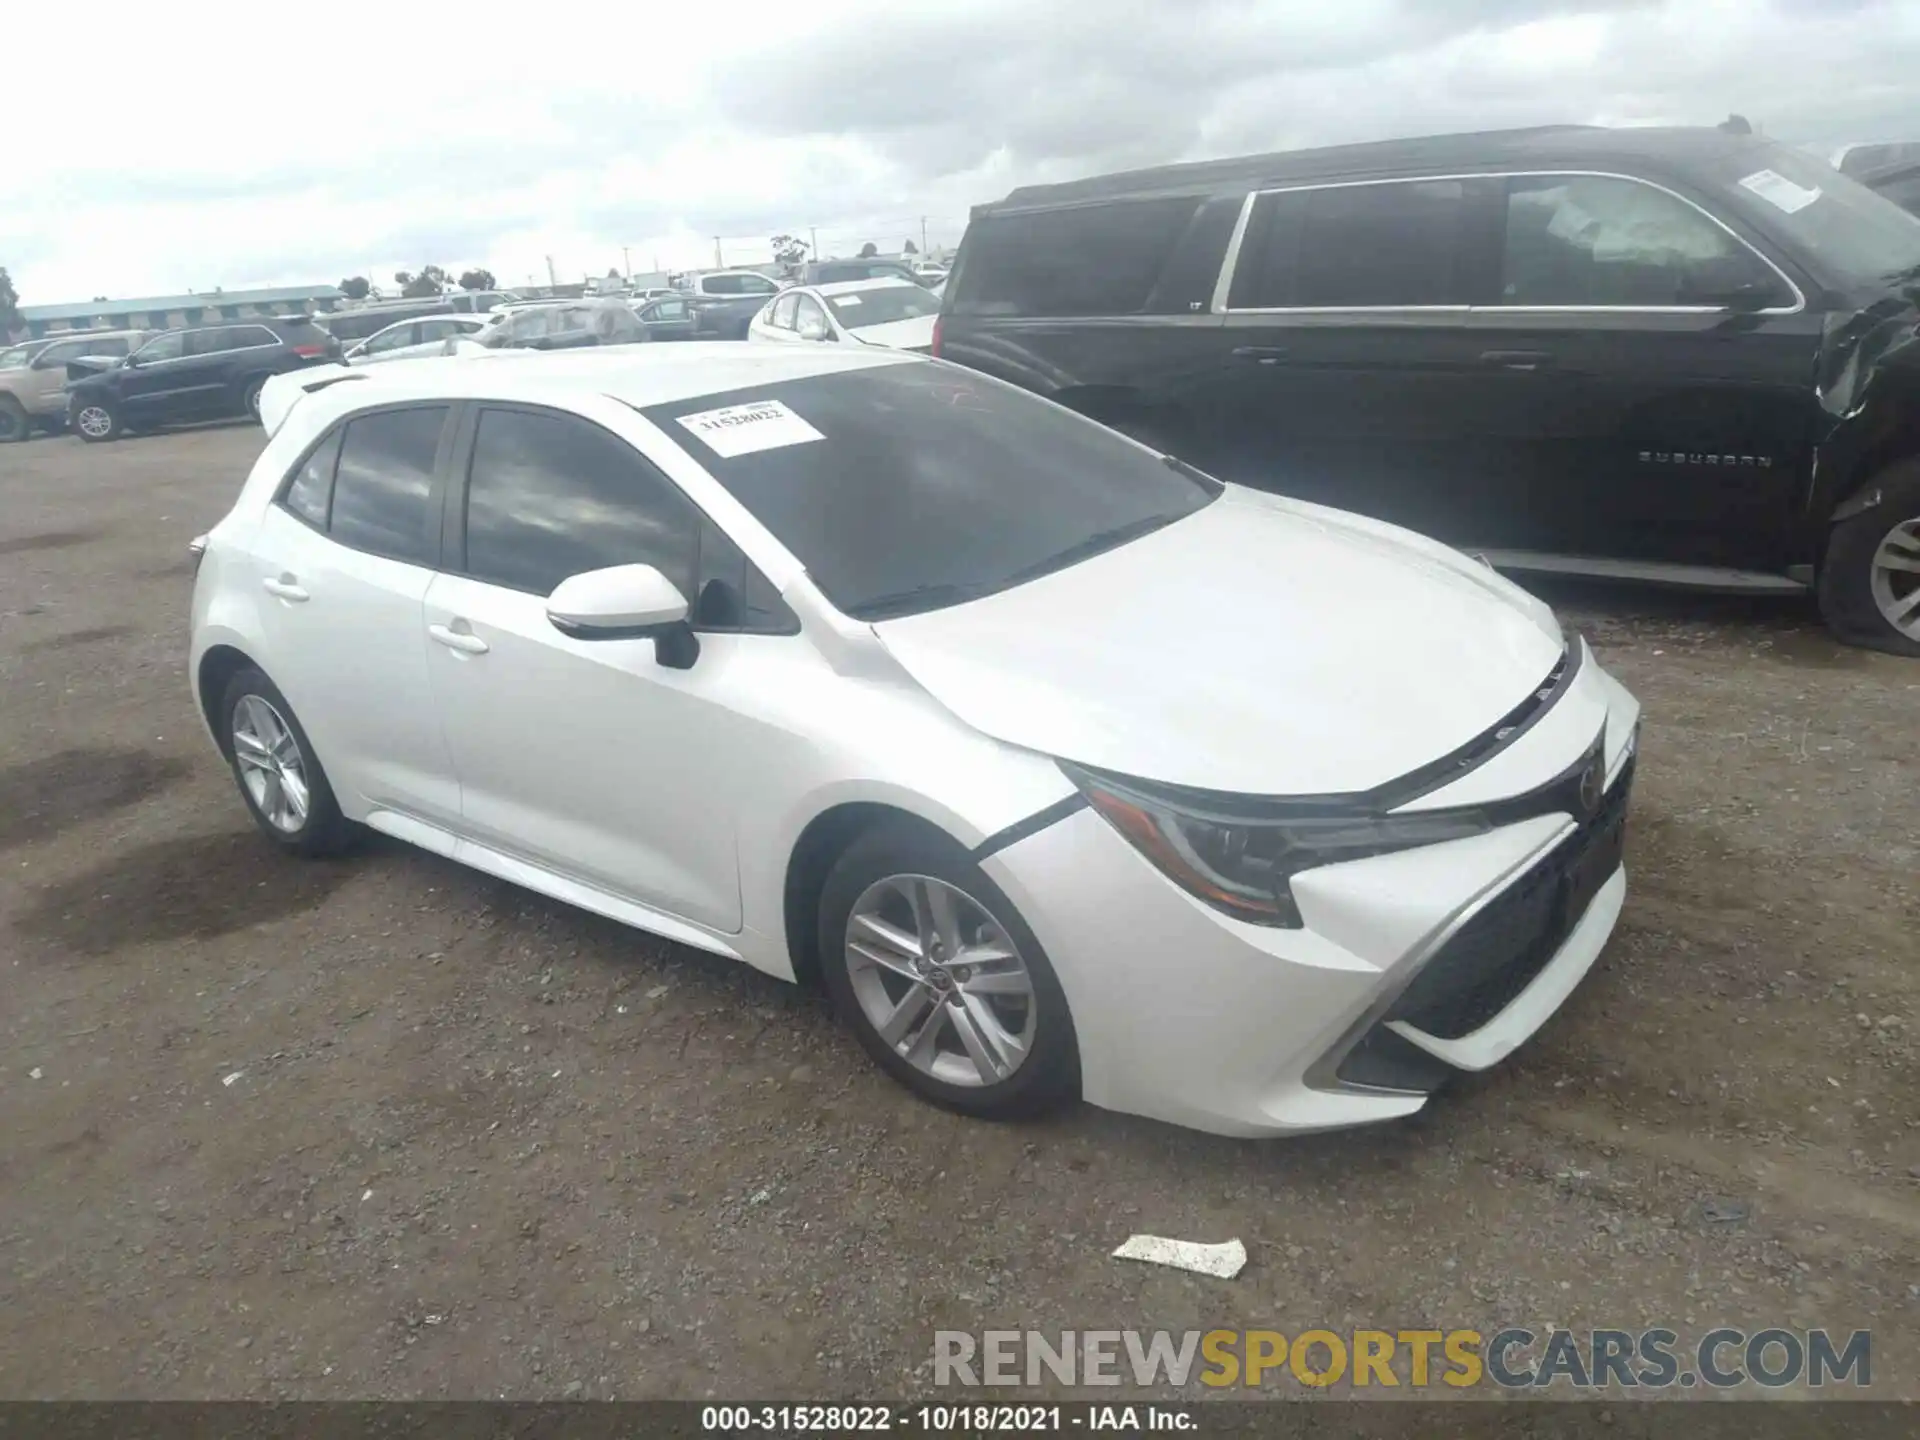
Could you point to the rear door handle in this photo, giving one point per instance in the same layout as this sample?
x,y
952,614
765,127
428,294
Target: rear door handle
x,y
1517,359
465,641
285,589
1263,354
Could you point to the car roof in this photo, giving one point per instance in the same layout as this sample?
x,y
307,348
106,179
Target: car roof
x,y
637,375
854,287
1540,145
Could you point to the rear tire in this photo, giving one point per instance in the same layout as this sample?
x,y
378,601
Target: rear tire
x,y
250,396
15,424
280,778
986,987
1870,582
97,421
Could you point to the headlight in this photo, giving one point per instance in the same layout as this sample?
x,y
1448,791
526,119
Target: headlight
x,y
1240,855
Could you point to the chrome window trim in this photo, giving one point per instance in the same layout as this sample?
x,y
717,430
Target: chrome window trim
x,y
1223,287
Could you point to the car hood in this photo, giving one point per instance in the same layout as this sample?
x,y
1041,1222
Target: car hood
x,y
913,333
1261,646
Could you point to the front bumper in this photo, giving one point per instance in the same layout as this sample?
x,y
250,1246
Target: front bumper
x,y
1412,966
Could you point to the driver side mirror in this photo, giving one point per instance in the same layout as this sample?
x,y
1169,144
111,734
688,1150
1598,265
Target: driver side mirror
x,y
626,602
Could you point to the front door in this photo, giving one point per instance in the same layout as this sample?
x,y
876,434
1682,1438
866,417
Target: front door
x,y
156,377
1346,372
343,562
1649,391
587,757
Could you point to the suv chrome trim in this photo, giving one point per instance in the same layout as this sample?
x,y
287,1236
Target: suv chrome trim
x,y
1223,287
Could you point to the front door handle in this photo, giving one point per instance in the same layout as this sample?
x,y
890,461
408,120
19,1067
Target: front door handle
x,y
1262,354
1517,359
285,589
465,641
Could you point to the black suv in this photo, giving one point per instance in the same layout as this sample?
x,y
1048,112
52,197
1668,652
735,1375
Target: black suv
x,y
207,373
1680,355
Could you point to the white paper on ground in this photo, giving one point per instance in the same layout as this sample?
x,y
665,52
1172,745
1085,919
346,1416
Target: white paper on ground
x,y
743,429
1222,1261
1780,192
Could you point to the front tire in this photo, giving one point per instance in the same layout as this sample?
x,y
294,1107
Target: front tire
x,y
96,421
942,981
280,778
1870,583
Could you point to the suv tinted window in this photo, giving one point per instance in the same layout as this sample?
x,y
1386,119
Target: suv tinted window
x,y
1348,245
1090,260
57,355
169,345
1598,240
310,489
550,496
382,488
1013,486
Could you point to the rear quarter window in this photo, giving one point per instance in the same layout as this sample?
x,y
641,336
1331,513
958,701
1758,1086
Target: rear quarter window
x,y
1103,259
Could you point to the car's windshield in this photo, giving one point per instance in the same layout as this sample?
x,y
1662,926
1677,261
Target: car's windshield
x,y
859,308
1860,237
905,488
19,355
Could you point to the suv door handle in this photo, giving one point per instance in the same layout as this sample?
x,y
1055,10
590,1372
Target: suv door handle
x,y
1517,359
285,589
1264,354
465,641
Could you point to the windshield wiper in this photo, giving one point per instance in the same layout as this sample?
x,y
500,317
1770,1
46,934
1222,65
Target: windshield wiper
x,y
1094,544
920,597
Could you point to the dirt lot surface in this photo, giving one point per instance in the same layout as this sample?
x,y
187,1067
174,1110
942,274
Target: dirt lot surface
x,y
388,1127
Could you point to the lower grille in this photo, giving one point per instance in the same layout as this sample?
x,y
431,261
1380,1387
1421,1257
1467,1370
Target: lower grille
x,y
1492,958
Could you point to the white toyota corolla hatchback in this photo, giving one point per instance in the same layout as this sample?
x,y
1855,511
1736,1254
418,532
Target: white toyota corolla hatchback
x,y
1065,767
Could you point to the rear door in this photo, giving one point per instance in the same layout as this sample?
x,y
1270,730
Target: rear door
x,y
1348,373
1632,413
343,558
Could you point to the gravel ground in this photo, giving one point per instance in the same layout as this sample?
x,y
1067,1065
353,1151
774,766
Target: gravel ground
x,y
385,1127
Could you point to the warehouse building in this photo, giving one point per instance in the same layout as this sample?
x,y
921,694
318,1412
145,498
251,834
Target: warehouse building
x,y
167,312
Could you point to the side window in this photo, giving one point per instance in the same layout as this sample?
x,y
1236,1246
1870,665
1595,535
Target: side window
x,y
242,337
170,345
311,486
116,346
670,310
1353,245
382,490
427,331
55,357
754,285
209,342
392,338
732,594
809,320
528,324
550,496
721,284
1602,240
1089,260
783,309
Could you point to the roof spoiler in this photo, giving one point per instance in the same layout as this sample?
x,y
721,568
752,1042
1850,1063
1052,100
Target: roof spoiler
x,y
282,393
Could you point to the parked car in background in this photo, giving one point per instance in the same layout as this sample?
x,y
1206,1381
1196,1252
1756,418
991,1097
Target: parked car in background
x,y
1070,770
667,317
1862,160
930,275
478,302
895,313
413,339
33,377
1900,183
565,325
207,372
832,272
362,321
1663,354
725,302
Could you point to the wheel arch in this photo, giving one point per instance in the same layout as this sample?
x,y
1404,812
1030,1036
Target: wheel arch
x,y
217,667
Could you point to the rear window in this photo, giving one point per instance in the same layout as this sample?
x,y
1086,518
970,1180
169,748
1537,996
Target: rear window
x,y
906,488
1089,260
858,309
1352,245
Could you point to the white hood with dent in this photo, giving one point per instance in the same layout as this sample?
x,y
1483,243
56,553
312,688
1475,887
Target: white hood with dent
x,y
1261,646
913,333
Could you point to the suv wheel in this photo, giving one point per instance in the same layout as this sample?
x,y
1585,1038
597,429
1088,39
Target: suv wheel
x,y
15,424
96,420
1870,584
943,983
250,397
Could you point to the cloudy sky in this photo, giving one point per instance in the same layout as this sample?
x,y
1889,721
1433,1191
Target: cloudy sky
x,y
204,143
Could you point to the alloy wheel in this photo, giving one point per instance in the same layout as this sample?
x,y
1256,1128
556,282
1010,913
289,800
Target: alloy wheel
x,y
270,764
1895,578
94,420
940,980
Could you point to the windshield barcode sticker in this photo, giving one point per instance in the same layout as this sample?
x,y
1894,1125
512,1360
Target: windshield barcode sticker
x,y
1780,192
743,429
